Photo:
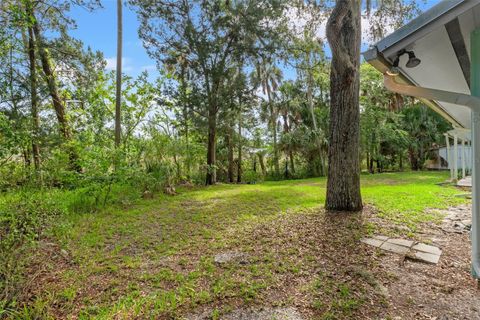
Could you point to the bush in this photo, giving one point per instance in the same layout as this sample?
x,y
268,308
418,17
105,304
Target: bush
x,y
23,217
252,177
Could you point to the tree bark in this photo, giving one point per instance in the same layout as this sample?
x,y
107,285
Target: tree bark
x,y
211,148
239,169
118,91
310,91
229,138
51,84
292,162
262,164
33,94
276,158
26,157
311,107
273,120
344,37
323,165
286,168
51,81
183,89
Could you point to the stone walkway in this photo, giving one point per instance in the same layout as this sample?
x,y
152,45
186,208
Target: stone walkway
x,y
457,219
408,248
465,182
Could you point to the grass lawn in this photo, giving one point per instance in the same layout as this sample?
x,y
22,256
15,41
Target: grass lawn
x,y
155,258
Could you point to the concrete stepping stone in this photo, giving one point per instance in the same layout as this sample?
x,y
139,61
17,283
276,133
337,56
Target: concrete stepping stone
x,y
426,257
395,248
427,249
372,242
266,314
402,242
254,314
232,256
465,182
409,248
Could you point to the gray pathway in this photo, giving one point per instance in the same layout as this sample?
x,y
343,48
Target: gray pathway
x,y
408,248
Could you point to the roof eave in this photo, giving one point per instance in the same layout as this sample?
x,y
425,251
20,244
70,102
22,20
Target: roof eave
x,y
378,61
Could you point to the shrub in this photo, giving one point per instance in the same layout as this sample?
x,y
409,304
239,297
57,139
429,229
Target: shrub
x,y
252,177
23,217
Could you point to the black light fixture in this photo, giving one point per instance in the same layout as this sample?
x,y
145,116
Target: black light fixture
x,y
412,62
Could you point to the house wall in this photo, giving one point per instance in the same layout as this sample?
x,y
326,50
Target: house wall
x,y
468,156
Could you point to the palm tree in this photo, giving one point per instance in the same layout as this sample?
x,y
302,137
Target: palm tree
x,y
118,93
289,108
268,76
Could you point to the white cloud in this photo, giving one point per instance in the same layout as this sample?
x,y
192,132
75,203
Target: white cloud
x,y
149,67
112,64
298,21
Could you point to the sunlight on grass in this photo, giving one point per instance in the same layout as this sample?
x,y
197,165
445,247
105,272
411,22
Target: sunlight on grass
x,y
125,252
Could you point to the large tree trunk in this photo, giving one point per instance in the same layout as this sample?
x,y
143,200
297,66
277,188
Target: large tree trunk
x,y
323,165
118,91
239,169
344,37
292,162
229,138
273,120
262,164
26,157
413,159
211,148
33,94
276,157
311,107
183,88
51,80
187,144
310,93
51,84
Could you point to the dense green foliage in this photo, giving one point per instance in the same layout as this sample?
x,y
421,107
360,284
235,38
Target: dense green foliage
x,y
219,110
204,114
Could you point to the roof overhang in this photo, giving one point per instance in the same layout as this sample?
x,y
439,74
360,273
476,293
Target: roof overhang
x,y
461,133
440,37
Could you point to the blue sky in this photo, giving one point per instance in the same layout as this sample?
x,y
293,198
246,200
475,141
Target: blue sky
x,y
98,30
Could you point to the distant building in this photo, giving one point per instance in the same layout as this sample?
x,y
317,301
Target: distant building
x,y
439,159
455,156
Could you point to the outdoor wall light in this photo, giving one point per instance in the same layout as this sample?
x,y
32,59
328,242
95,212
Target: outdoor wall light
x,y
412,62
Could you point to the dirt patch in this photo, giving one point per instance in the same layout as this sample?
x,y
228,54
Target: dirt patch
x,y
254,314
443,291
314,258
333,275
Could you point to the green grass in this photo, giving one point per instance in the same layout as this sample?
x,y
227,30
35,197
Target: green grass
x,y
154,257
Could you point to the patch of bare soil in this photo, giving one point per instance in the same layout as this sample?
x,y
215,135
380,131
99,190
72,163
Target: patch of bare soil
x,y
340,278
443,291
318,266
